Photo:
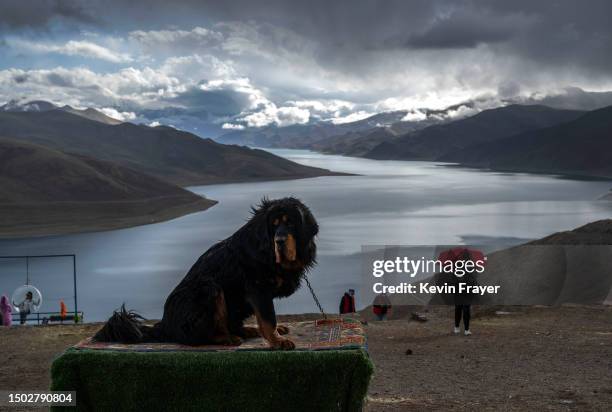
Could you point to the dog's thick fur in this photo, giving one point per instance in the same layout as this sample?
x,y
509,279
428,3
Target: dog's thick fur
x,y
236,278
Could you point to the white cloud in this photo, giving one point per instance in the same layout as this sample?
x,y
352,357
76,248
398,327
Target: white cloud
x,y
265,112
286,116
74,48
84,87
352,117
115,114
463,111
434,100
414,116
242,85
260,111
154,124
326,109
232,126
197,67
280,116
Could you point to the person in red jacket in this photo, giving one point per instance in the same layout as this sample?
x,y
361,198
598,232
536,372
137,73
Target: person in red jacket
x,y
347,303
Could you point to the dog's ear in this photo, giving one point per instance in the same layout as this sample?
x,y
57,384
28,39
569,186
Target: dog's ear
x,y
310,227
259,236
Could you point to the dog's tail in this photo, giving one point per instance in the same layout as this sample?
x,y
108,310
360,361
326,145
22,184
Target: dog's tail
x,y
127,326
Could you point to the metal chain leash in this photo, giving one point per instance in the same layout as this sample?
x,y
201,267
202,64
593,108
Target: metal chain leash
x,y
314,296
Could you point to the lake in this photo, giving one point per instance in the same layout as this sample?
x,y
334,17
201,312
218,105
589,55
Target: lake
x,y
390,202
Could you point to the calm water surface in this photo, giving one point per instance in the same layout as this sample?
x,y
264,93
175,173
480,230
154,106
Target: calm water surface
x,y
390,202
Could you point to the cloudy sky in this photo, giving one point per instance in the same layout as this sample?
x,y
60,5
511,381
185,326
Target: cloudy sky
x,y
216,65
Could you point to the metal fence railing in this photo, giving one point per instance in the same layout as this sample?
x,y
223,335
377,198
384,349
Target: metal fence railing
x,y
45,318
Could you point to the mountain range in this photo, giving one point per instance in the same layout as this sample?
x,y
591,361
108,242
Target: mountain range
x,y
581,147
435,141
338,138
304,136
64,170
514,137
179,157
44,106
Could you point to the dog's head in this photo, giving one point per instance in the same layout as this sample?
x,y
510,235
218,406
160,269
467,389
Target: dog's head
x,y
289,231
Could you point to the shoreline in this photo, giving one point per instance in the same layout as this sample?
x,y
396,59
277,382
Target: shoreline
x,y
536,172
28,220
22,221
266,179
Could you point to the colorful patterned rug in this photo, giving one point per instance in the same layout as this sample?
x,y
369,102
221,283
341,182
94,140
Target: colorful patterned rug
x,y
323,334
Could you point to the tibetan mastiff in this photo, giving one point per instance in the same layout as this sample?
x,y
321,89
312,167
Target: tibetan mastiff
x,y
236,278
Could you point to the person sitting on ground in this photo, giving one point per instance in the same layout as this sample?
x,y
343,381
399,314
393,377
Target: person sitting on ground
x,y
347,303
381,306
26,307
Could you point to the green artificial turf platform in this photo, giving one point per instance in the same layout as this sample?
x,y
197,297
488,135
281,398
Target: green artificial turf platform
x,y
329,371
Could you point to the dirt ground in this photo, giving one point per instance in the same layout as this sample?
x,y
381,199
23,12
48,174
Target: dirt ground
x,y
530,359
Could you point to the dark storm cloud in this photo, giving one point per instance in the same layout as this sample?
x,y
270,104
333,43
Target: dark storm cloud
x,y
38,14
541,31
217,102
467,28
545,32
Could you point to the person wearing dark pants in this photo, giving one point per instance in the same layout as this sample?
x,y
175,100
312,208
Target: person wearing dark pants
x,y
460,280
462,311
347,302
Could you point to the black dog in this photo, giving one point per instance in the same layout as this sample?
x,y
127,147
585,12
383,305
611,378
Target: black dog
x,y
236,278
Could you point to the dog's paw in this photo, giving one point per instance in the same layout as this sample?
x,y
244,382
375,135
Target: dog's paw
x,y
249,332
282,329
283,344
233,340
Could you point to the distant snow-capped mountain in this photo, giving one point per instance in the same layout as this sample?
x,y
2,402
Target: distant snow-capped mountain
x,y
44,106
32,106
